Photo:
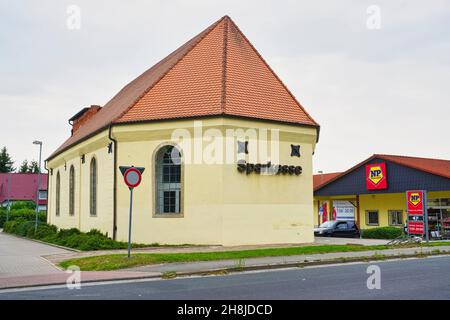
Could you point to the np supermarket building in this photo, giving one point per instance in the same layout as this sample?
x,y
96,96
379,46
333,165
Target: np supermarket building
x,y
373,192
217,82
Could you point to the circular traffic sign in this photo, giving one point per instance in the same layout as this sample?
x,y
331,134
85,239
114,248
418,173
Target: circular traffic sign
x,y
132,177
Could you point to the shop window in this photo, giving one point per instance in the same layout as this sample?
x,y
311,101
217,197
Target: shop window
x,y
93,188
372,218
58,193
168,180
72,191
395,217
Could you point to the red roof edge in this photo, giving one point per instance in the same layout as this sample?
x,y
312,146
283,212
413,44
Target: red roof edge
x,y
394,159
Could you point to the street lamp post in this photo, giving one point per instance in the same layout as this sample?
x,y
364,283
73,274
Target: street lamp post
x,y
38,184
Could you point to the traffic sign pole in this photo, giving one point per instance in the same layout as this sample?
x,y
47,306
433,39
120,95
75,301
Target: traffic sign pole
x,y
132,177
129,223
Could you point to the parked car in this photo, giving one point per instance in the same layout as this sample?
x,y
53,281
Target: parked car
x,y
347,229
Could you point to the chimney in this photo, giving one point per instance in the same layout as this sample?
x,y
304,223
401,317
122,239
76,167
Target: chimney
x,y
83,116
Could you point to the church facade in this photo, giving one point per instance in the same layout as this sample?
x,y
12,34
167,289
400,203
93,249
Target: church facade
x,y
226,147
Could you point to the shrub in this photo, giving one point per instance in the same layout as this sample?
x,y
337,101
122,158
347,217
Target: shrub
x,y
24,213
382,233
11,226
72,238
17,205
45,232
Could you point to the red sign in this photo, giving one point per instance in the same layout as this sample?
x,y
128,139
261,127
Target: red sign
x,y
132,177
416,227
415,201
376,178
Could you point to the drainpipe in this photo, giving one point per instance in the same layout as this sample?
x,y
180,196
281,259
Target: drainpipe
x,y
79,193
114,141
49,183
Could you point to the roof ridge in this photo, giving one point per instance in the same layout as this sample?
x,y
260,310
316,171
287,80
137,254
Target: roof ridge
x,y
193,45
273,72
224,65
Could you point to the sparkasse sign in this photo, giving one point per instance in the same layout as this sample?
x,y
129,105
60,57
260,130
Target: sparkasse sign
x,y
376,178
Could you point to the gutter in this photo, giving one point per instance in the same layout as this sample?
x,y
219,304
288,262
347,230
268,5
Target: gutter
x,y
114,141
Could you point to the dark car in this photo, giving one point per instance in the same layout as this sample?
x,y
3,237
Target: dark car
x,y
346,229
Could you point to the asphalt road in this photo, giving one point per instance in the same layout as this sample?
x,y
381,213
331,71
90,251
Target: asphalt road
x,y
427,278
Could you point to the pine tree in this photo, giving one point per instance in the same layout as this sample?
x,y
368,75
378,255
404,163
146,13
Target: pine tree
x,y
24,167
6,163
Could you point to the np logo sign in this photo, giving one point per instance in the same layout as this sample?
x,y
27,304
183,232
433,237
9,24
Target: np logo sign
x,y
376,176
415,201
415,198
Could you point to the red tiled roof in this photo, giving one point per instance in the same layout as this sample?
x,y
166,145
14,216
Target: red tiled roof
x,y
437,167
320,179
218,72
22,186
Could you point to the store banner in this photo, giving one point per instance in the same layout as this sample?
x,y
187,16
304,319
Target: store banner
x,y
324,213
344,210
415,201
376,178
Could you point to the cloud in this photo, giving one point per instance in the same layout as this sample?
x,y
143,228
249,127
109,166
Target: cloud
x,y
372,91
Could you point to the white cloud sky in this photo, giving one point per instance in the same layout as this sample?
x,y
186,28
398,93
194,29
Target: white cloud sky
x,y
372,91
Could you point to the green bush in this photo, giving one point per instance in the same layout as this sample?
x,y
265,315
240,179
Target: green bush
x,y
17,205
72,238
24,213
11,226
45,232
382,233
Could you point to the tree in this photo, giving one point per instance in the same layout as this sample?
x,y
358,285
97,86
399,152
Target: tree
x,y
6,163
24,167
29,167
33,167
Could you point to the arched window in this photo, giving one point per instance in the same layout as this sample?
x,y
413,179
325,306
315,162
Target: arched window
x,y
58,192
72,191
93,188
168,180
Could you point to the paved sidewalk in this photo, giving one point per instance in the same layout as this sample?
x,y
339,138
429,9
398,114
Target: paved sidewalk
x,y
62,277
22,264
20,257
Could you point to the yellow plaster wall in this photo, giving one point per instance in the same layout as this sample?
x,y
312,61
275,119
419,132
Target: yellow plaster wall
x,y
103,221
220,205
383,203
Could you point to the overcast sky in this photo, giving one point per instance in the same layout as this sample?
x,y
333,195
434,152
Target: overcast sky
x,y
383,90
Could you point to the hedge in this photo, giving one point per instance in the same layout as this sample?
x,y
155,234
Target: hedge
x,y
16,205
72,238
23,213
382,233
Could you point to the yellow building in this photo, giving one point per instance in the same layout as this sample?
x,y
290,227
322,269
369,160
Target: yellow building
x,y
378,200
227,152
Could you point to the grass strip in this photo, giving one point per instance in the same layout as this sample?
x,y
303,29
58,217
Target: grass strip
x,y
120,261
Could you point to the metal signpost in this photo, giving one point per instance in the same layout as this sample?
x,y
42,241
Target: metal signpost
x,y
416,205
132,177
